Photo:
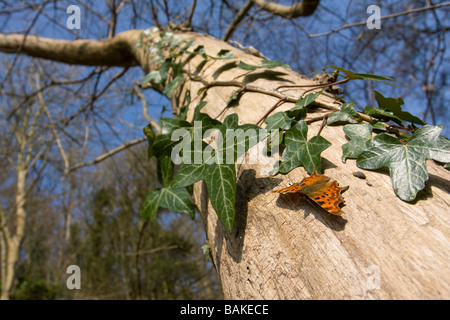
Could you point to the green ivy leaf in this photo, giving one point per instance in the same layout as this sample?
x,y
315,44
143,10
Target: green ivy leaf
x,y
168,125
201,51
182,115
306,100
377,125
160,75
407,162
217,169
347,115
299,111
151,137
205,249
165,170
394,105
382,114
225,54
300,151
360,76
163,144
360,135
220,181
279,120
269,64
206,120
173,85
175,199
284,120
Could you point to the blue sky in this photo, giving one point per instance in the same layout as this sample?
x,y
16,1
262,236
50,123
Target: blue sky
x,y
330,15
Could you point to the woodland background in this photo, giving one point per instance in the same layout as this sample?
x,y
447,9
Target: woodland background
x,y
87,213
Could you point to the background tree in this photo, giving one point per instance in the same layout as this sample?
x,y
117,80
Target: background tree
x,y
307,44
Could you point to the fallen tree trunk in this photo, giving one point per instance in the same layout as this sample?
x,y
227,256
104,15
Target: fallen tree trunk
x,y
283,248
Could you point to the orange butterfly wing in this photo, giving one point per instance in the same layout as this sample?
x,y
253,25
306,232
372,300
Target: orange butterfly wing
x,y
321,189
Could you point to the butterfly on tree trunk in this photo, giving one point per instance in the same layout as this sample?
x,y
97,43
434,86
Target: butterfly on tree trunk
x,y
321,189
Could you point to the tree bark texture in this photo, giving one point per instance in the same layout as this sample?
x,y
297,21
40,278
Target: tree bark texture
x,y
282,247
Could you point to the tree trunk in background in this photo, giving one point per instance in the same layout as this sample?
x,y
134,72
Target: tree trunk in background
x,y
12,244
280,247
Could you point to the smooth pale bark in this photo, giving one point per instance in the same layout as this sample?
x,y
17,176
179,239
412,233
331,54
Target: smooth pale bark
x,y
283,248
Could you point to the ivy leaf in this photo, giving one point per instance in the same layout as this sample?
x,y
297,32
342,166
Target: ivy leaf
x,y
377,125
269,64
279,120
237,139
360,135
182,115
168,125
283,120
165,170
382,114
175,199
150,207
152,76
151,137
173,85
201,51
306,100
394,105
299,111
225,54
220,181
407,162
347,115
163,144
206,121
217,167
160,75
299,151
360,76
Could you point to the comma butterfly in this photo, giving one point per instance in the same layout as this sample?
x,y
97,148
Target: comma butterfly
x,y
321,189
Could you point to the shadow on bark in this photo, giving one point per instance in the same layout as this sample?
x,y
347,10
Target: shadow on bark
x,y
247,187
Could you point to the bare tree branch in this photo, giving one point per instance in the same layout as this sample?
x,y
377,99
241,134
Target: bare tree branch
x,y
112,52
237,20
191,13
107,154
52,125
152,121
363,23
300,9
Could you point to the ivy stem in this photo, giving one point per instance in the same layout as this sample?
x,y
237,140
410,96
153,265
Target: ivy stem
x,y
328,85
238,93
271,109
314,86
324,122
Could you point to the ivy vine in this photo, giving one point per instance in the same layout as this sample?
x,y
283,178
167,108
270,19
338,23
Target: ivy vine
x,y
386,136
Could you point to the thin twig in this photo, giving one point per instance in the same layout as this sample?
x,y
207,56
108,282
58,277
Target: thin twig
x,y
153,250
191,14
152,121
237,20
108,154
363,23
270,110
324,122
52,125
